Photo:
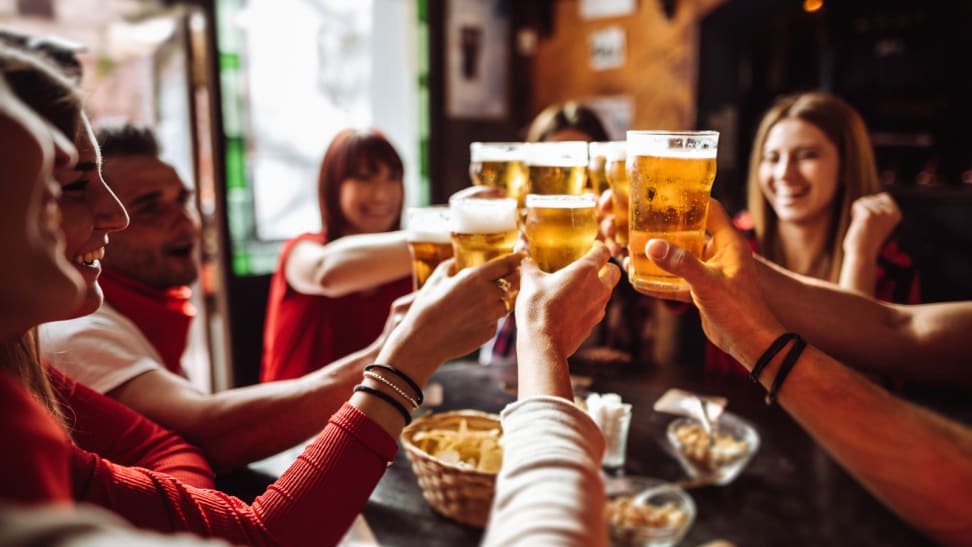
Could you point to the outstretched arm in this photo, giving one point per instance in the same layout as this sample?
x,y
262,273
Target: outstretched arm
x,y
349,264
927,343
918,463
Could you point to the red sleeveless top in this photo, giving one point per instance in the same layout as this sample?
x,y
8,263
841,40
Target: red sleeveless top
x,y
306,332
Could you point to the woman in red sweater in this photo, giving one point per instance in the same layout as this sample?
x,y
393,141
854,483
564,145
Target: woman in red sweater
x,y
332,289
335,474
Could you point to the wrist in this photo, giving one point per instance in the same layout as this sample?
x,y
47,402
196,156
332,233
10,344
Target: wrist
x,y
401,352
754,344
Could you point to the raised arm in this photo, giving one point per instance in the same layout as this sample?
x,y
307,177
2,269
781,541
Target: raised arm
x,y
873,219
917,463
350,264
549,490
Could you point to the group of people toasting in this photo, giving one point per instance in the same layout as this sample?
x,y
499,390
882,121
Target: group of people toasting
x,y
96,410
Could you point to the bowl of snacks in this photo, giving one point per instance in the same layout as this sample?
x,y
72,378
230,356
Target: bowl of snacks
x,y
646,512
716,458
456,456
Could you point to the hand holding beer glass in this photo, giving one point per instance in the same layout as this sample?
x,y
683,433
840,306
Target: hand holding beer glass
x,y
484,229
671,175
557,167
427,232
560,228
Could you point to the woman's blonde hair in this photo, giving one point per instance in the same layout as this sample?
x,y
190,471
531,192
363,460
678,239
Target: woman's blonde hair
x,y
857,175
21,357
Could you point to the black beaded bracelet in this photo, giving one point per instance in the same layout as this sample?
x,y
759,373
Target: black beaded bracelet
x,y
791,358
387,398
770,352
419,396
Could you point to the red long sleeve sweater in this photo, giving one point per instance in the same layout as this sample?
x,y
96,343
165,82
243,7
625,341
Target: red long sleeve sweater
x,y
313,503
101,425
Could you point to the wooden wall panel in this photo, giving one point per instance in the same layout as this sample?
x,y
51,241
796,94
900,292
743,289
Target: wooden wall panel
x,y
661,64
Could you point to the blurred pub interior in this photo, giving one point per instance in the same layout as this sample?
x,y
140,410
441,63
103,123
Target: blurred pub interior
x,y
247,93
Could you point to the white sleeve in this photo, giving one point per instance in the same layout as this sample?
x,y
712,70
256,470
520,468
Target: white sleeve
x,y
102,350
549,490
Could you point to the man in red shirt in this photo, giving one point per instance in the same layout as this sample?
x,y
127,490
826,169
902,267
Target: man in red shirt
x,y
131,348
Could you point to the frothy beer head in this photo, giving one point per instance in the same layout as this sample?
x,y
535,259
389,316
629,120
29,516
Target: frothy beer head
x,y
700,145
496,151
483,216
428,224
482,229
557,154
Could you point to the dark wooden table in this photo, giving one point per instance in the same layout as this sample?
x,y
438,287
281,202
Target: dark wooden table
x,y
791,493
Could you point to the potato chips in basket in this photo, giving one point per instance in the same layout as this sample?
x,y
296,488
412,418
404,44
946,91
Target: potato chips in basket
x,y
456,456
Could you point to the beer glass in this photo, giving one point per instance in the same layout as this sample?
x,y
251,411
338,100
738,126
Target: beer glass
x,y
482,229
427,232
560,228
617,177
499,165
557,167
671,175
596,166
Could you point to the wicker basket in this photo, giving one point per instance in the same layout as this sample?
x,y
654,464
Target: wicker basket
x,y
464,495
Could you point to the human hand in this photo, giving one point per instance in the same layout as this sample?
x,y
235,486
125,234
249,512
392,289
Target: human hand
x,y
607,228
873,218
725,288
557,311
451,316
396,313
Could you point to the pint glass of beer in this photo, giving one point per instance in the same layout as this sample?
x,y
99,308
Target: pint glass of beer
x,y
616,173
596,166
499,165
560,228
427,231
557,167
671,175
482,229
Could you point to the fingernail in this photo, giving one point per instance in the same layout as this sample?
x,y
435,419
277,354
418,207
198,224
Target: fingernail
x,y
657,248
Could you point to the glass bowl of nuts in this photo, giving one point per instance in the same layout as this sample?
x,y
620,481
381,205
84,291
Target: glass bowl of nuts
x,y
646,512
716,459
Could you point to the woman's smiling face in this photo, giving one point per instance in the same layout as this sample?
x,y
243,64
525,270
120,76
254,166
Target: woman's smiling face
x,y
90,212
798,171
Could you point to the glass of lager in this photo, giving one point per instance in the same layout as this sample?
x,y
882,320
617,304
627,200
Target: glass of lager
x,y
671,175
427,232
596,175
499,165
560,228
482,229
617,177
557,167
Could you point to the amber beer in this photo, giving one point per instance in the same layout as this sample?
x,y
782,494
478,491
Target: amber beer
x,y
427,233
482,229
560,228
557,167
617,177
671,175
499,165
596,167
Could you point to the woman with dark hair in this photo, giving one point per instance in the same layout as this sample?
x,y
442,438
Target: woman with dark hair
x,y
332,289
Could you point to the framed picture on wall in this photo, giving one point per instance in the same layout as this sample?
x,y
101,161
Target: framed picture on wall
x,y
477,57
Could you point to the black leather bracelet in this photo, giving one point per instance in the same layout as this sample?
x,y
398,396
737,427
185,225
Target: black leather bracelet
x,y
785,367
419,396
387,398
770,352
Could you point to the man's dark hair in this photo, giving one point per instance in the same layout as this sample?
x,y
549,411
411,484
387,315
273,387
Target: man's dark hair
x,y
127,140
